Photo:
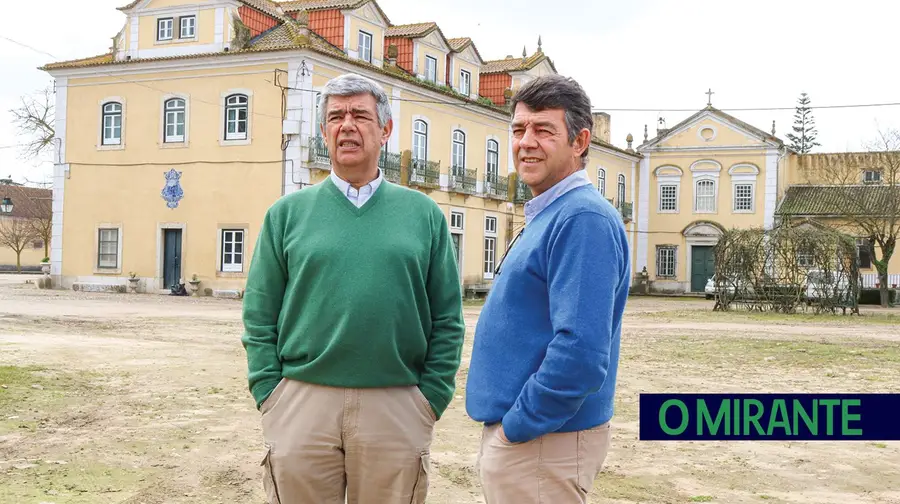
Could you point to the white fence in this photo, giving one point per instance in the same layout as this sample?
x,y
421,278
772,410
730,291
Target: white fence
x,y
869,279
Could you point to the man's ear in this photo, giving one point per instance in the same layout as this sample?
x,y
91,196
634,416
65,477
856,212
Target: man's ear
x,y
582,141
386,131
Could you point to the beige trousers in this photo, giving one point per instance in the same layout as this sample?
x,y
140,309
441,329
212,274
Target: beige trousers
x,y
327,445
556,468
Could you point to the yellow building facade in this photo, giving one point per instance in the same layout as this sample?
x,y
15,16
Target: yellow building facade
x,y
172,146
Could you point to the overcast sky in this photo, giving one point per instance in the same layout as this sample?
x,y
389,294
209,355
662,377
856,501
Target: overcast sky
x,y
644,54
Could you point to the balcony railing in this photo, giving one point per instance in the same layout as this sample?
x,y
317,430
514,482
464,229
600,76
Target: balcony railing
x,y
523,192
390,166
424,173
318,152
462,181
496,187
626,208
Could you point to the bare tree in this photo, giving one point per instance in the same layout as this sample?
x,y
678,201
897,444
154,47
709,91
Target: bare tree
x,y
42,224
866,197
35,119
16,233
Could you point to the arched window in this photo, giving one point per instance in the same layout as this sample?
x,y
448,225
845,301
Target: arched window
x,y
458,154
621,190
705,196
420,140
601,181
493,158
112,124
236,117
174,120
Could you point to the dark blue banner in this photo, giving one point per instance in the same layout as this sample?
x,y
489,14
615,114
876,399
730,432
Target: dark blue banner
x,y
769,417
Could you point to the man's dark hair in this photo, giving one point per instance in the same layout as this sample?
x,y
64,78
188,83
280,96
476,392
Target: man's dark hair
x,y
558,92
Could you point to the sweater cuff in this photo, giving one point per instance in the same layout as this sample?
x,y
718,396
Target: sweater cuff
x,y
515,429
262,390
437,401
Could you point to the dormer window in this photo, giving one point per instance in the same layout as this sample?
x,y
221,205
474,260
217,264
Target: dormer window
x,y
465,82
365,46
430,69
164,28
872,176
188,27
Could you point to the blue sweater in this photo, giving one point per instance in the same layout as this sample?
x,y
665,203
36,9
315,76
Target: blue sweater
x,y
546,346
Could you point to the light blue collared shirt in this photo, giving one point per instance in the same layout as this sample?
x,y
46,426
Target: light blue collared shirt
x,y
543,200
357,196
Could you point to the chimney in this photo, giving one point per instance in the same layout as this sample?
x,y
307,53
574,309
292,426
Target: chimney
x,y
601,126
392,53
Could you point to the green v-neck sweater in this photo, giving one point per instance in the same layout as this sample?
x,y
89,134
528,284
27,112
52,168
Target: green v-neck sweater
x,y
354,297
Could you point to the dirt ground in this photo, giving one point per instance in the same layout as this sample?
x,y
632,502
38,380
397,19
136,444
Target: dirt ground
x,y
121,398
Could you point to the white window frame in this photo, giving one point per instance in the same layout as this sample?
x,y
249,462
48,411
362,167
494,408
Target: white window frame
x,y
173,142
234,267
674,252
675,186
362,35
98,231
465,76
664,180
601,181
236,138
165,29
621,190
102,141
457,220
457,149
434,67
872,176
424,135
487,160
734,196
715,193
489,250
191,26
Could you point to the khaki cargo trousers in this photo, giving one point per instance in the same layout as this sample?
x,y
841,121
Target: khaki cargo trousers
x,y
328,445
556,468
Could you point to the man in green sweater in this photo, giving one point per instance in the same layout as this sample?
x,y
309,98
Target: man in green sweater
x,y
353,321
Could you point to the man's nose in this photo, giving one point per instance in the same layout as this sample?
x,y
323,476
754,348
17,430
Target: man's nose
x,y
528,140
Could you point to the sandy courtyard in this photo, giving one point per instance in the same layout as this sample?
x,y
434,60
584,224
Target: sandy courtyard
x,y
113,398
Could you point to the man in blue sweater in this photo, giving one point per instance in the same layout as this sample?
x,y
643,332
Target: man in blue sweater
x,y
543,370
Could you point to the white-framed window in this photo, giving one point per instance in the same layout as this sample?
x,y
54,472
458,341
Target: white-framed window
x,y
108,248
458,152
871,176
175,115
232,259
164,28
490,225
601,181
490,246
620,193
237,112
188,27
743,197
420,140
365,46
112,124
668,198
493,158
465,82
431,69
705,196
666,261
456,220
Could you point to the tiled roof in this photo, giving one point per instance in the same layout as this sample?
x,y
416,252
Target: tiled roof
x,y
312,5
515,64
129,6
728,117
28,202
267,6
411,30
458,43
836,200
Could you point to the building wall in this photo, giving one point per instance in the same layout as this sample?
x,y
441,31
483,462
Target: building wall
x,y
425,50
228,184
31,255
459,64
205,28
377,32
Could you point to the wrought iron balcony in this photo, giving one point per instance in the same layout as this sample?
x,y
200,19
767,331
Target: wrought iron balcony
x,y
523,192
496,187
390,166
424,173
318,152
462,181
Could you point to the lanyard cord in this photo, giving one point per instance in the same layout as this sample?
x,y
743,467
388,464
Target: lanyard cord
x,y
515,239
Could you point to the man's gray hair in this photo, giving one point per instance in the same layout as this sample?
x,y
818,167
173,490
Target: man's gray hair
x,y
354,84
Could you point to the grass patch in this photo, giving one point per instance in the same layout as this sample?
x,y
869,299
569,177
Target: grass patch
x,y
702,498
30,393
879,445
72,483
635,489
740,314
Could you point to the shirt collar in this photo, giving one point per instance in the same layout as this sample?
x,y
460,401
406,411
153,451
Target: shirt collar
x,y
543,200
349,190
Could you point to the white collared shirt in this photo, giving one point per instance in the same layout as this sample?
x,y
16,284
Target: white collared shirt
x,y
543,200
357,196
